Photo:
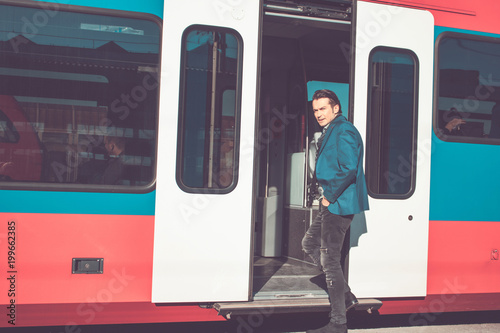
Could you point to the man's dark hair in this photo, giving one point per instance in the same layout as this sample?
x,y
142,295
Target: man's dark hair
x,y
325,93
450,115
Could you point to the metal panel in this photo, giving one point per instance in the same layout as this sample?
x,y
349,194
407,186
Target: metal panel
x,y
295,224
202,247
390,257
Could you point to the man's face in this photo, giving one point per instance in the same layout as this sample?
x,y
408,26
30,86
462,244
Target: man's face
x,y
108,144
323,111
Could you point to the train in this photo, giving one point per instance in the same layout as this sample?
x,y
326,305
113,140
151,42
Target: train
x,y
156,156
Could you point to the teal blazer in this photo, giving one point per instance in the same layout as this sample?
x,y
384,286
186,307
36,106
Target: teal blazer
x,y
339,168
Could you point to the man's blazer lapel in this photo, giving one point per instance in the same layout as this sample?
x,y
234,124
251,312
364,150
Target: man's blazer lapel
x,y
329,131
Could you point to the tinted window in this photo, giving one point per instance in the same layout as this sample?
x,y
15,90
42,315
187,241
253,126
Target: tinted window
x,y
209,126
83,89
468,89
390,165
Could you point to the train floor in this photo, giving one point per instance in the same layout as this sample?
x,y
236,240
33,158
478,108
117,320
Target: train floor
x,y
282,277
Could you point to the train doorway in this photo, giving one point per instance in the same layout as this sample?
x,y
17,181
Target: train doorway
x,y
299,54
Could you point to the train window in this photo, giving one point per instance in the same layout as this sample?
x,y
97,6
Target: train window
x,y
391,128
467,105
82,91
209,110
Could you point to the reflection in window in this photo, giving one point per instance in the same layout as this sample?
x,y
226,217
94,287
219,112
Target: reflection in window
x,y
83,100
8,134
208,112
468,99
390,165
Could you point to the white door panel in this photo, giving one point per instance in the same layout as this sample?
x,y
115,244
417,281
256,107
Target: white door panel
x,y
390,259
202,241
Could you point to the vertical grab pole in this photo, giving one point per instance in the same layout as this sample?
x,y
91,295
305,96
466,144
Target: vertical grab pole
x,y
212,110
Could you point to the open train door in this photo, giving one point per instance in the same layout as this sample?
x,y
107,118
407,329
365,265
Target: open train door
x,y
393,79
202,242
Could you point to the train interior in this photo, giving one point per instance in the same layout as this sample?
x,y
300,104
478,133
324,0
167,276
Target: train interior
x,y
299,56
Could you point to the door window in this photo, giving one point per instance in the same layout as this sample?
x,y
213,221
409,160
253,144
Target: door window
x,y
392,126
209,110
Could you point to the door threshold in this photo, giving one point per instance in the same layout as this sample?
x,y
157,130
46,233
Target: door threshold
x,y
270,295
288,305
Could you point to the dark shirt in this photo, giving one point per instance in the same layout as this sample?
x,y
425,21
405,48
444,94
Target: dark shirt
x,y
456,132
114,171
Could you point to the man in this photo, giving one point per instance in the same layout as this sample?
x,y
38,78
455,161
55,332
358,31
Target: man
x,y
339,172
453,122
113,172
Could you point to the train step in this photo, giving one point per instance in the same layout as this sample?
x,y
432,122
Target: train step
x,y
274,306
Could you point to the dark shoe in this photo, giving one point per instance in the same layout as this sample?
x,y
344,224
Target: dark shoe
x,y
350,301
330,328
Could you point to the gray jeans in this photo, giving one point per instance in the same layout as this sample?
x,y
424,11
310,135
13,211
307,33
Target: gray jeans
x,y
323,243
